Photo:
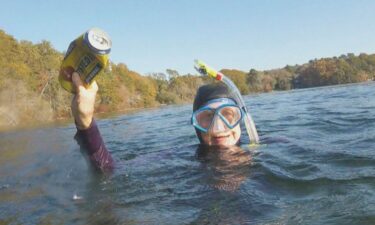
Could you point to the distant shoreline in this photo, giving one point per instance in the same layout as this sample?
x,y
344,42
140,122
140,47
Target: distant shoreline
x,y
101,115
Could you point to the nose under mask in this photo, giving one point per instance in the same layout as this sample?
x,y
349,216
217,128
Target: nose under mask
x,y
218,125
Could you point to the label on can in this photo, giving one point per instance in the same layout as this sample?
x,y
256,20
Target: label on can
x,y
84,63
93,73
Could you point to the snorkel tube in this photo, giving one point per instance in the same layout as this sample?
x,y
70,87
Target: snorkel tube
x,y
205,70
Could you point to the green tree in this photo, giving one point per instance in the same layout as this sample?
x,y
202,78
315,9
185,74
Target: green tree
x,y
254,80
239,78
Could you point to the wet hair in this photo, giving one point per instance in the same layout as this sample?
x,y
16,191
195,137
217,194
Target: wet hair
x,y
206,93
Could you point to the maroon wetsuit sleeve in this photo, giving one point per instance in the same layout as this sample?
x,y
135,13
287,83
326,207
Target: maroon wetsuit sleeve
x,y
91,142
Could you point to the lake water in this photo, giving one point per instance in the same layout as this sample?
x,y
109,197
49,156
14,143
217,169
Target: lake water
x,y
322,172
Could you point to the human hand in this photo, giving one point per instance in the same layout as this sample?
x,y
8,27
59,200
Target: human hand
x,y
83,102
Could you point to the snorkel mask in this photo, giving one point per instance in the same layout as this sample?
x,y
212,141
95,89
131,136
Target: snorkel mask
x,y
232,91
217,115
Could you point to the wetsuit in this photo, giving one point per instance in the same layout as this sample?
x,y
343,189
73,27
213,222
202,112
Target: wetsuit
x,y
92,144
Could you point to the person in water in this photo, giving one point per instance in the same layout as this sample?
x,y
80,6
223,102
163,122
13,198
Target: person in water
x,y
216,118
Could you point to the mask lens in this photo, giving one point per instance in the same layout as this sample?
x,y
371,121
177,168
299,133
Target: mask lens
x,y
231,115
219,118
204,118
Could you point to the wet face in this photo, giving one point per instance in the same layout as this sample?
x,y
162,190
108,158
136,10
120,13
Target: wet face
x,y
219,134
227,138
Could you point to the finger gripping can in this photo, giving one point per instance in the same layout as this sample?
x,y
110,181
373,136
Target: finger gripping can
x,y
87,55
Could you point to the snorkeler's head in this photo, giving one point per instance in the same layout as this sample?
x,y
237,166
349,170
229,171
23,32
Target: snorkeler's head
x,y
216,116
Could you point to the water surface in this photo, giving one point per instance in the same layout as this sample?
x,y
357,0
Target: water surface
x,y
323,174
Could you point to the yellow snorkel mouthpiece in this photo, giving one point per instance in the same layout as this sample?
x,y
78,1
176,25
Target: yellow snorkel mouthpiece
x,y
204,69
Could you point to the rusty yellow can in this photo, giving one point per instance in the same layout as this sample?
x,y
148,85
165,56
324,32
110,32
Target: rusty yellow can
x,y
88,55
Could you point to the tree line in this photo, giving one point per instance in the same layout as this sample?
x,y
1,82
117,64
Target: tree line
x,y
30,91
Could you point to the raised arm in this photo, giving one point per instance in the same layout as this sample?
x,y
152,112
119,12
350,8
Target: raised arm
x,y
88,135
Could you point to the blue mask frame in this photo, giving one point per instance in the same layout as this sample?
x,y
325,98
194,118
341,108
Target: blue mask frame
x,y
229,102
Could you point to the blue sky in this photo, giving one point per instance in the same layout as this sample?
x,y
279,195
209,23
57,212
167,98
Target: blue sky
x,y
154,35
